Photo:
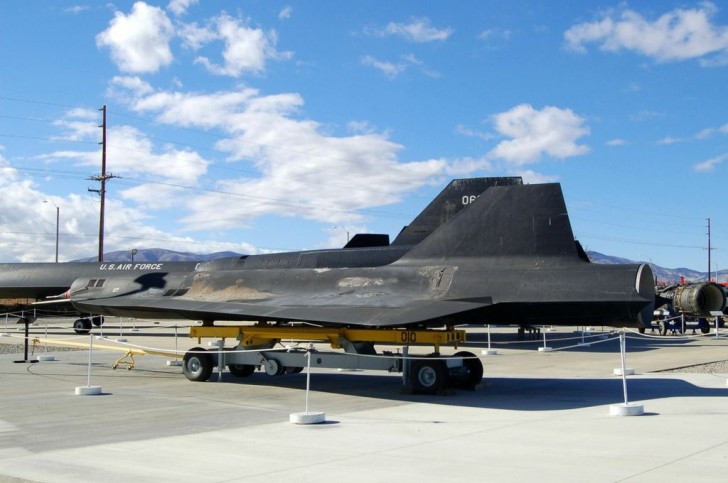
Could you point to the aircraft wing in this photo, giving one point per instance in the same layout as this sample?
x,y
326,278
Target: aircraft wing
x,y
371,315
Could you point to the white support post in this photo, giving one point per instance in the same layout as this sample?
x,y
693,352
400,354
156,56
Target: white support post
x,y
545,348
45,356
489,351
307,417
175,362
88,389
625,409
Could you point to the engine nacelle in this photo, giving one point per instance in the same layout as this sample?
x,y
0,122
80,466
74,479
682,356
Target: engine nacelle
x,y
699,299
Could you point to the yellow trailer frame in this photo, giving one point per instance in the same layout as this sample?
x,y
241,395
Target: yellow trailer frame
x,y
255,335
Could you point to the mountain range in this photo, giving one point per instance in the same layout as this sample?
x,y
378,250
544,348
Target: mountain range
x,y
161,255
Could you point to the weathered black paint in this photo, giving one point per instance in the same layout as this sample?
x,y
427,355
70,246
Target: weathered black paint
x,y
507,256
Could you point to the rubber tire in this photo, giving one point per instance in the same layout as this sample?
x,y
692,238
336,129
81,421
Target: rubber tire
x,y
662,327
641,330
82,326
97,320
241,370
428,376
474,368
197,365
273,367
704,326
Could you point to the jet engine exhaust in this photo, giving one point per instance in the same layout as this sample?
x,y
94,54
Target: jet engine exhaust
x,y
699,299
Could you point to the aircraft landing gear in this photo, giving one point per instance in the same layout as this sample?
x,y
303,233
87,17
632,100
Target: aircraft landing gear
x,y
82,326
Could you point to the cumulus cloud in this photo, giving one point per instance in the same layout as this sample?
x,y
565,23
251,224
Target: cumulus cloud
x,y
179,7
132,155
246,49
677,35
551,131
139,42
418,30
293,156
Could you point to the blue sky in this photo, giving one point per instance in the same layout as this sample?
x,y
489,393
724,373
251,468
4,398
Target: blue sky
x,y
258,126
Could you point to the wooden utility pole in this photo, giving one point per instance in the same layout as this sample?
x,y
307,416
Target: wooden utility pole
x,y
102,179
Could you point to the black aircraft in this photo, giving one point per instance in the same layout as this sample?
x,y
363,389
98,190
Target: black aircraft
x,y
503,255
50,281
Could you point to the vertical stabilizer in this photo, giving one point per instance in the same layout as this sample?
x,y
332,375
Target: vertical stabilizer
x,y
457,195
527,220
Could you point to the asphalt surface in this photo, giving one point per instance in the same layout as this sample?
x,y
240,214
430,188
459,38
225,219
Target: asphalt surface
x,y
541,415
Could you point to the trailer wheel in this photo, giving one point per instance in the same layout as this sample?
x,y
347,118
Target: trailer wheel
x,y
472,373
662,327
274,368
704,326
428,376
97,320
82,326
241,370
641,330
197,365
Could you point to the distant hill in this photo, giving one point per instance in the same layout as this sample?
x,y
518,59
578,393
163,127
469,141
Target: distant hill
x,y
662,274
162,255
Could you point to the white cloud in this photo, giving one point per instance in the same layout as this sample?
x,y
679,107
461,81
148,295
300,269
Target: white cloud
x,y
76,9
710,164
246,49
130,153
701,135
551,131
418,30
286,13
179,7
293,156
532,177
139,42
669,140
120,86
389,69
472,133
677,35
616,142
392,70
495,37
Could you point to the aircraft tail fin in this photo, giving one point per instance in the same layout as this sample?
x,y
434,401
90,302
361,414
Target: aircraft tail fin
x,y
526,220
453,198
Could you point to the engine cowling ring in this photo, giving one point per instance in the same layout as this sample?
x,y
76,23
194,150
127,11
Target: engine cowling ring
x,y
699,299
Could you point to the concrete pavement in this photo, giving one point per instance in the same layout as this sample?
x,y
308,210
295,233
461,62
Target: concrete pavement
x,y
536,415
